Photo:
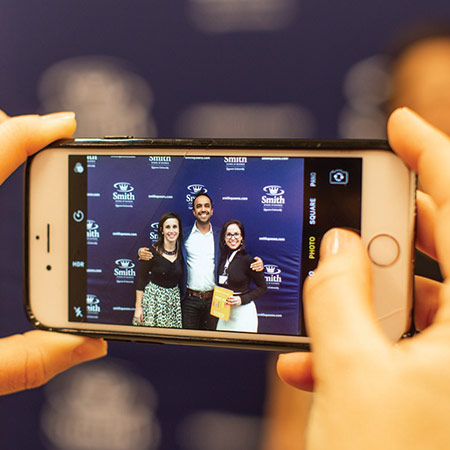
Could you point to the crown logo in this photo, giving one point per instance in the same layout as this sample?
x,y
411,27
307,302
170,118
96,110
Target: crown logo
x,y
91,225
125,263
92,299
272,269
123,186
274,190
196,188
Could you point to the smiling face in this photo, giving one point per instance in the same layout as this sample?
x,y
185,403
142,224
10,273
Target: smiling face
x,y
171,230
202,209
233,237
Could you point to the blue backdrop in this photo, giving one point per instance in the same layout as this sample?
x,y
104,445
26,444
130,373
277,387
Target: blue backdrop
x,y
127,196
184,68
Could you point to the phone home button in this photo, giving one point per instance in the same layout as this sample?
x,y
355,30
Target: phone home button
x,y
383,250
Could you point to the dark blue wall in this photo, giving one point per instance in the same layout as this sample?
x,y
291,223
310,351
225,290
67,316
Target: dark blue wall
x,y
178,68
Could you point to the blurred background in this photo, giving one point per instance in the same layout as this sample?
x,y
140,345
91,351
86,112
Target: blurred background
x,y
197,68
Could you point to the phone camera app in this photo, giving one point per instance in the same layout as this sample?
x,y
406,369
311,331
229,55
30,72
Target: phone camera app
x,y
338,176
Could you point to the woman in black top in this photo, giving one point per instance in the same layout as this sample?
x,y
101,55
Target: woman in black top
x,y
158,285
234,273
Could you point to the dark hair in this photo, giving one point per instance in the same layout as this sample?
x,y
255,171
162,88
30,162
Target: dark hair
x,y
159,244
224,249
200,194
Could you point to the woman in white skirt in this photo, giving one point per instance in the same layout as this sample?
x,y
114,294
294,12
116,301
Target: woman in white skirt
x,y
234,273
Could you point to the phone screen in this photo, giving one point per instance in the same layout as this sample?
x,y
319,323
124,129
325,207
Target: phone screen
x,y
285,204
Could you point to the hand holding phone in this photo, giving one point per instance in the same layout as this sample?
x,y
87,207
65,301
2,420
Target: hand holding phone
x,y
401,387
31,359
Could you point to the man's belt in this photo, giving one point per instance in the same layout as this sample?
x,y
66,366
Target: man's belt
x,y
202,295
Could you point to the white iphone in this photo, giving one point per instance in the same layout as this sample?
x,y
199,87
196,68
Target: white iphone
x,y
155,240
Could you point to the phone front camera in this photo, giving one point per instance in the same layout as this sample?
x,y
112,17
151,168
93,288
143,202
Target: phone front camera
x,y
49,267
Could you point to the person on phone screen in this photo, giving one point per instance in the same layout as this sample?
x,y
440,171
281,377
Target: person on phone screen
x,y
234,273
160,278
201,255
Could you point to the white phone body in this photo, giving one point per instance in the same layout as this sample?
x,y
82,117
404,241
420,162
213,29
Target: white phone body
x,y
386,218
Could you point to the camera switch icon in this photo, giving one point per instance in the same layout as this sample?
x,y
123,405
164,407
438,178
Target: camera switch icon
x,y
338,176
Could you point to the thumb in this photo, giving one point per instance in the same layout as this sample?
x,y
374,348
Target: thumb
x,y
31,359
340,317
24,135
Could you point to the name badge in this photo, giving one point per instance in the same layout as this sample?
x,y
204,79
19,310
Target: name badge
x,y
223,279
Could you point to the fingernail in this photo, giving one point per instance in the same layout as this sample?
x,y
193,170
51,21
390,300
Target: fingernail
x,y
64,115
90,349
333,242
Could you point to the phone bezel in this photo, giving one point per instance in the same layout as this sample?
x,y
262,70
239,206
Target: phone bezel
x,y
195,337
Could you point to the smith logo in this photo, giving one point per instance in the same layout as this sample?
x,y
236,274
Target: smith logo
x,y
124,272
160,158
273,200
91,161
92,306
272,275
235,159
235,163
123,196
153,235
193,190
160,162
92,232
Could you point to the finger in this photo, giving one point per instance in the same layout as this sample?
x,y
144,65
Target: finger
x,y
3,116
31,359
427,151
338,302
22,136
426,301
425,224
296,369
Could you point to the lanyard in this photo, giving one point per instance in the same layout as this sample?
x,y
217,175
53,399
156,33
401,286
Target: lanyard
x,y
228,261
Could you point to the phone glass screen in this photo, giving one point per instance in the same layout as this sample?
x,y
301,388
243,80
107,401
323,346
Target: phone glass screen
x,y
284,203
